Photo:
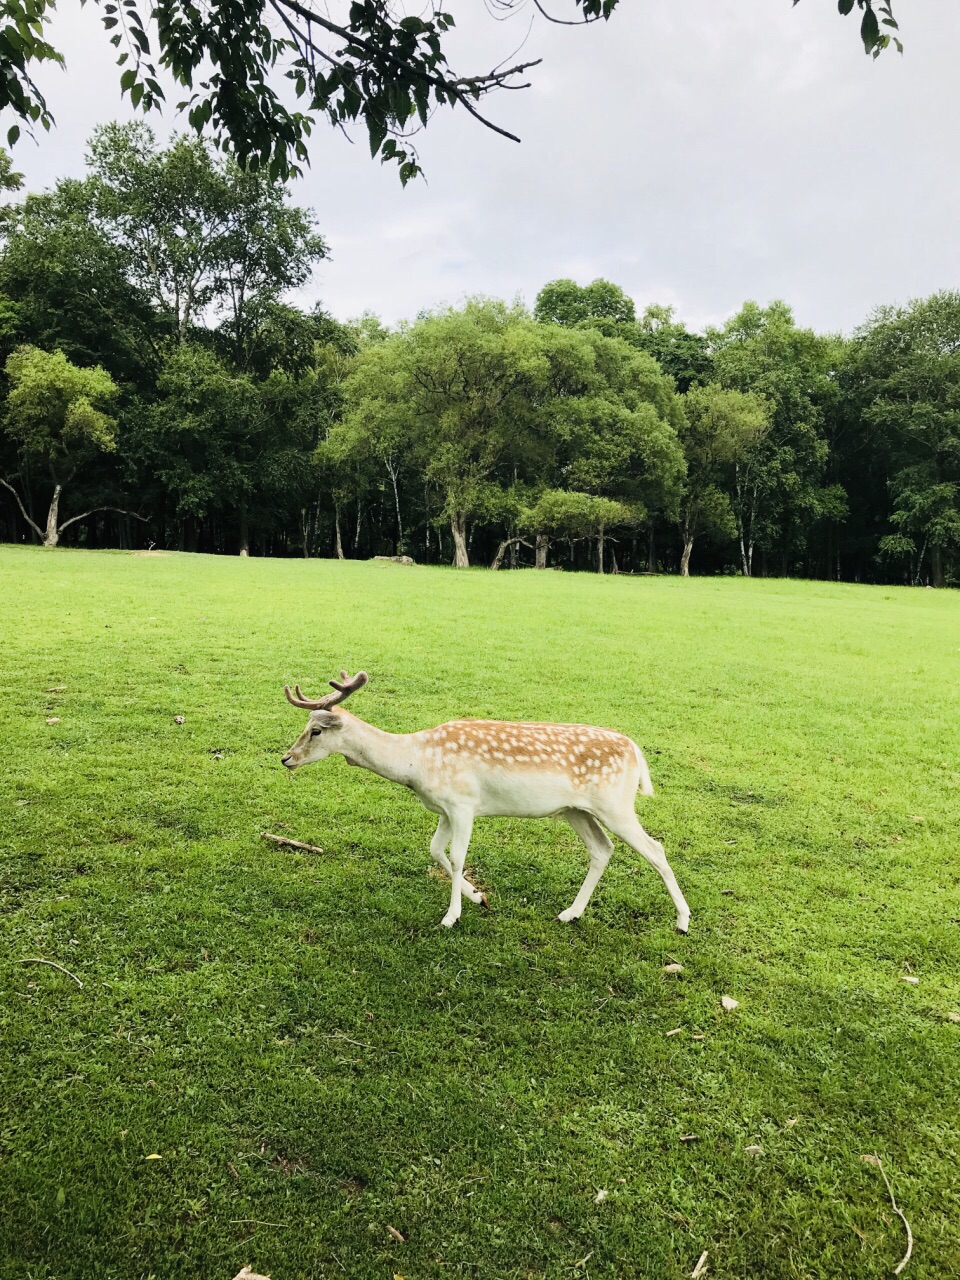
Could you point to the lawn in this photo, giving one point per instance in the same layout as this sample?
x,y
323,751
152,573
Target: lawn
x,y
278,1056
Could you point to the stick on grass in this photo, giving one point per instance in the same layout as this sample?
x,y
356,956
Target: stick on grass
x,y
53,965
875,1160
292,844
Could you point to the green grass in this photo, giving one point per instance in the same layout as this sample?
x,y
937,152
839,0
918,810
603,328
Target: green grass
x,y
314,1058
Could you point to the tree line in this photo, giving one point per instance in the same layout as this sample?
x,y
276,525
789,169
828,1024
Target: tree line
x,y
159,388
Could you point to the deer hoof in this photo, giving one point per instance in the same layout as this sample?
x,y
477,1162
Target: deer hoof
x,y
568,915
449,921
683,926
485,902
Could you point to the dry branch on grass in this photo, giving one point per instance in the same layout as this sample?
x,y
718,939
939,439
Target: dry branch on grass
x,y
291,844
53,965
875,1160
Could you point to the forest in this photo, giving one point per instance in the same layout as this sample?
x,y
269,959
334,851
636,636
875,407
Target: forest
x,y
161,390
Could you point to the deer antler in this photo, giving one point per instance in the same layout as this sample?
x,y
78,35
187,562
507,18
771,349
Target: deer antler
x,y
344,687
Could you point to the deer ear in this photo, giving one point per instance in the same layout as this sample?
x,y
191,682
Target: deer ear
x,y
326,720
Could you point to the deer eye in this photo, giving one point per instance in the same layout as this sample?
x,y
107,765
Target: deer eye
x,y
314,733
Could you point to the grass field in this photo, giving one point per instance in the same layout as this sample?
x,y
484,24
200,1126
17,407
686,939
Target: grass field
x,y
314,1060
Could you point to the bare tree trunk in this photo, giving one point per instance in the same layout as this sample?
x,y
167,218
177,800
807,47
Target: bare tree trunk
x,y
498,559
685,558
392,470
458,527
52,535
543,542
244,531
336,525
600,550
651,549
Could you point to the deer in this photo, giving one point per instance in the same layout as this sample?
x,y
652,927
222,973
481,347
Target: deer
x,y
467,769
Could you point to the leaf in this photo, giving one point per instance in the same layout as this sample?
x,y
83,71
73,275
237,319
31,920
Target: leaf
x,y
953,1017
906,977
675,1032
729,1003
396,1234
753,1150
600,1196
128,79
53,719
13,133
673,968
871,1159
869,30
155,1156
845,6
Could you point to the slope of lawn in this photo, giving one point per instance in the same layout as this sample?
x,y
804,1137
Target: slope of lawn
x,y
276,1056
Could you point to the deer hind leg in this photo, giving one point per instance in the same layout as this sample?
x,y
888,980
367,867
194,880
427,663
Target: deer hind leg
x,y
461,827
599,847
438,852
627,827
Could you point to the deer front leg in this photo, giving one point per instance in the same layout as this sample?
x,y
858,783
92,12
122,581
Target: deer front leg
x,y
438,852
461,827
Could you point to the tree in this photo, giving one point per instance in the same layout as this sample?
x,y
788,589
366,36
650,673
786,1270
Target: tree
x,y
469,388
55,415
568,514
682,354
368,61
568,303
198,234
779,493
907,364
720,429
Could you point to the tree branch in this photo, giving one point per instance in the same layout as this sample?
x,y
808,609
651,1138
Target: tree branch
x,y
35,527
93,511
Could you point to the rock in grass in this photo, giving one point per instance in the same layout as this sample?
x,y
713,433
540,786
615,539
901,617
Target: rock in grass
x,y
673,968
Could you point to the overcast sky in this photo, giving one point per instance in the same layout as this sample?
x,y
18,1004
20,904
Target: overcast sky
x,y
697,153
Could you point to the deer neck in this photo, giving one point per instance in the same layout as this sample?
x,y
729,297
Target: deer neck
x,y
391,755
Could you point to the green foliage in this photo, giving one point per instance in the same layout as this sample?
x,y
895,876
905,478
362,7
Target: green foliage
x,y
301,1044
55,410
567,303
905,369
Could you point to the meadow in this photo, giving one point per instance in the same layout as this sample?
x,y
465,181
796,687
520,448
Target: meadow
x,y
278,1058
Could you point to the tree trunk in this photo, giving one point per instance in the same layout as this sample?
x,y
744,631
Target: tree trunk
x,y
651,550
685,558
52,535
244,531
458,527
339,540
505,545
392,471
936,566
600,550
543,542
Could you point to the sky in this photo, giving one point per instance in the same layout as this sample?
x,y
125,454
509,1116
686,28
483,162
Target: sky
x,y
697,154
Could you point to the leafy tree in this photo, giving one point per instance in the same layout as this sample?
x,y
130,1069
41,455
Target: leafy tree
x,y
71,287
365,61
907,362
720,429
572,515
682,354
568,303
199,235
55,415
779,492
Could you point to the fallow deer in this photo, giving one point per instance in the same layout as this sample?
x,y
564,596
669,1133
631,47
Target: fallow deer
x,y
470,769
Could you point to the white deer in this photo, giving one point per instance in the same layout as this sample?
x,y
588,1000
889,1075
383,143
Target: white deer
x,y
470,769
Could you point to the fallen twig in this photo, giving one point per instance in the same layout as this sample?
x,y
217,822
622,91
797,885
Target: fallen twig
x,y
701,1268
292,844
875,1160
53,965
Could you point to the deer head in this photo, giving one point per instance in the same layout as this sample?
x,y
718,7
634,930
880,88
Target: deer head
x,y
319,738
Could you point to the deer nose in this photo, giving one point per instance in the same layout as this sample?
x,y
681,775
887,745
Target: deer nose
x,y
287,760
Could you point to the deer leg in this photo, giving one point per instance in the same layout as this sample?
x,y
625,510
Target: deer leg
x,y
627,827
461,827
599,848
438,852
